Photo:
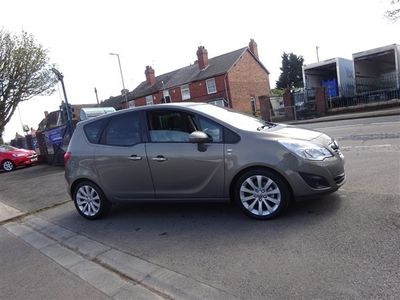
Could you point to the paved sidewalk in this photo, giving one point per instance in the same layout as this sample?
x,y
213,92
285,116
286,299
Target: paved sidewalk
x,y
26,273
357,115
111,272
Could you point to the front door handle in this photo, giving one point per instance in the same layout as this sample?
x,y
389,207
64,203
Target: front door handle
x,y
135,157
159,158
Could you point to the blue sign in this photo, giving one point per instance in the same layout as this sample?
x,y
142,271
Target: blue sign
x,y
55,136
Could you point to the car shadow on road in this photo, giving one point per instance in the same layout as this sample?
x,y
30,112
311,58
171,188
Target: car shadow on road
x,y
321,206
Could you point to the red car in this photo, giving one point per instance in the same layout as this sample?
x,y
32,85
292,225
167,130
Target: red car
x,y
11,157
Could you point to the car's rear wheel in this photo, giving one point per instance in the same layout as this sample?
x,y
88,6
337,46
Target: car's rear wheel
x,y
261,194
8,165
90,201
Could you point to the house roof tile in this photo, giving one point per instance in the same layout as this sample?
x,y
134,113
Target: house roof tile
x,y
216,66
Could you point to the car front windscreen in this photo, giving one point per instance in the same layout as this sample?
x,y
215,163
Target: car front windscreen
x,y
235,119
5,148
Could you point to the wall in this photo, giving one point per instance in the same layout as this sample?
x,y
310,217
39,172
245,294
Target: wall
x,y
247,79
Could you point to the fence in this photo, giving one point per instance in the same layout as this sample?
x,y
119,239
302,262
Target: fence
x,y
368,94
302,106
369,90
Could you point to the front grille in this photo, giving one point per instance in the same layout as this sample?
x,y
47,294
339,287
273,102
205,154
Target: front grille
x,y
340,179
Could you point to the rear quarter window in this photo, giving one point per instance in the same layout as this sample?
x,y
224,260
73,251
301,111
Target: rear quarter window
x,y
94,130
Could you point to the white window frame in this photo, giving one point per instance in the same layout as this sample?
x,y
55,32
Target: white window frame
x,y
149,100
211,86
185,92
131,103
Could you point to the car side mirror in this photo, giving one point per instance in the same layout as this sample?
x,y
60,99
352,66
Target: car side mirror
x,y
200,138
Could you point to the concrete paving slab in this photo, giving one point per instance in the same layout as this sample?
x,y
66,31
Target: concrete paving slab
x,y
52,230
18,229
104,280
86,246
37,240
35,222
62,255
8,212
183,287
136,292
167,282
133,267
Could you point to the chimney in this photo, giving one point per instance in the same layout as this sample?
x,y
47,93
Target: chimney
x,y
202,57
150,75
46,114
253,47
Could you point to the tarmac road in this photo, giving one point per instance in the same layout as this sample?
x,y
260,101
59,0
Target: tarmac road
x,y
342,246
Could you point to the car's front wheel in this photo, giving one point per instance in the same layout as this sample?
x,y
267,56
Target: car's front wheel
x,y
261,194
90,201
8,165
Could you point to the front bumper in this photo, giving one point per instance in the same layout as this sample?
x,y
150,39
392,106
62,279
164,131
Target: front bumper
x,y
312,178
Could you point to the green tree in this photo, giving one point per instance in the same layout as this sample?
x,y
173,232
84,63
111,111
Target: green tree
x,y
394,13
291,71
25,72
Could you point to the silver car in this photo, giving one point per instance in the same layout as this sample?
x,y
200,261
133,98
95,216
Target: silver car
x,y
197,151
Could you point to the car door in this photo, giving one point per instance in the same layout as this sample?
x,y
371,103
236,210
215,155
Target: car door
x,y
121,159
181,169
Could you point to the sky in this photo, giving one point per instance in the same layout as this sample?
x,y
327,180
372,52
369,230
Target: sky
x,y
79,35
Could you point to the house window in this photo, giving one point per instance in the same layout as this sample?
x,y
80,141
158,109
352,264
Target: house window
x,y
185,92
149,100
211,87
131,104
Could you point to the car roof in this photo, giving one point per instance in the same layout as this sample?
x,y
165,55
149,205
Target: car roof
x,y
146,107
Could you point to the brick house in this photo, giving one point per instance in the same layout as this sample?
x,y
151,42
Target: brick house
x,y
236,79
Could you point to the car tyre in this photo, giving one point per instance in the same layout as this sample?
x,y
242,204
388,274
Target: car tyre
x,y
261,194
90,201
8,165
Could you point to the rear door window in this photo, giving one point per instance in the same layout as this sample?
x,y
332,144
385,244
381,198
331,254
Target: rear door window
x,y
123,130
94,130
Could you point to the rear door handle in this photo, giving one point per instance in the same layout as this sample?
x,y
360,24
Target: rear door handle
x,y
159,158
135,157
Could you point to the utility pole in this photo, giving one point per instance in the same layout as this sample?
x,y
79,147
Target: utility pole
x,y
97,97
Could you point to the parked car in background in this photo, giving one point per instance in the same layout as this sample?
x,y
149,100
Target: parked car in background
x,y
197,151
11,157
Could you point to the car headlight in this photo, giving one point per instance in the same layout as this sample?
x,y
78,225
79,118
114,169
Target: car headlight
x,y
306,150
18,155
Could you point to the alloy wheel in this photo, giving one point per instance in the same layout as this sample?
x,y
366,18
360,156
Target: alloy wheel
x,y
260,195
88,200
8,166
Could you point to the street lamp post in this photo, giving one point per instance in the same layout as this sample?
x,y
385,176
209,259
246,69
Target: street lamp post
x,y
60,77
122,78
97,97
